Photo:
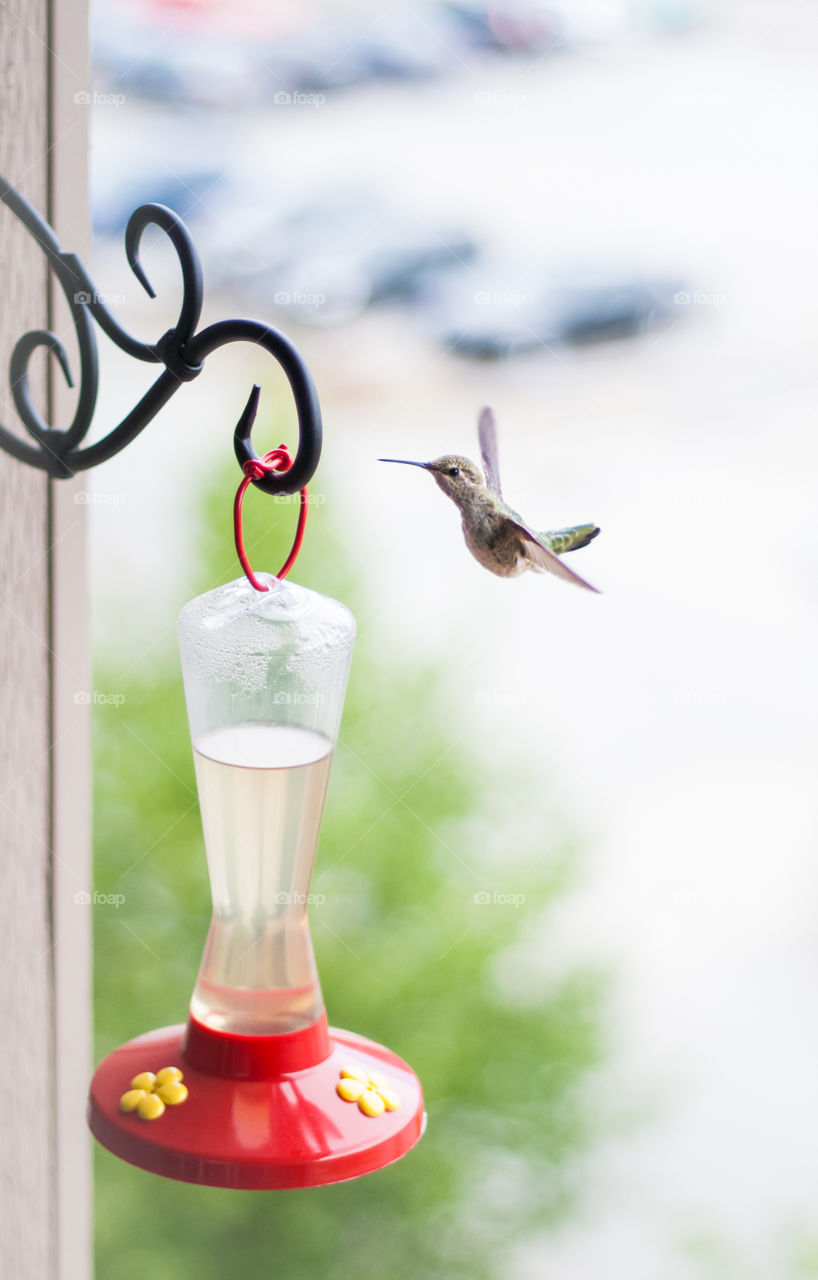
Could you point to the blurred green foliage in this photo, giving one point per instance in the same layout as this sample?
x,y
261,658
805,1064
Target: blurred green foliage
x,y
405,954
712,1253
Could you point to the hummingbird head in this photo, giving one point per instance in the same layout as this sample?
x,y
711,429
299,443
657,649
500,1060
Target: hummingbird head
x,y
457,476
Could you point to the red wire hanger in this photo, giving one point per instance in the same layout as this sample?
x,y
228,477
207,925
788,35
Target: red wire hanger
x,y
254,469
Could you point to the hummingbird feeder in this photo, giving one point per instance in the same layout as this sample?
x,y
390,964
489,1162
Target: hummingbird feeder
x,y
254,1090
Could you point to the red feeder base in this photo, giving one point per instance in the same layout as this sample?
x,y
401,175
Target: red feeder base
x,y
261,1112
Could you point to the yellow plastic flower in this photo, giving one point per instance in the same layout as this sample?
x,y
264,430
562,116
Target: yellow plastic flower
x,y
371,1091
149,1094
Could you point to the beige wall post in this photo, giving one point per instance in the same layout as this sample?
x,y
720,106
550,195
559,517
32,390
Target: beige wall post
x,y
45,995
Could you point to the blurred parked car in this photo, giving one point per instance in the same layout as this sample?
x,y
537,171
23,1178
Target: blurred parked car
x,y
138,55
520,25
187,193
410,44
139,50
326,261
494,311
539,26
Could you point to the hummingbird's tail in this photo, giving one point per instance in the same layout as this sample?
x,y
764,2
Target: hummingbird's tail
x,y
561,540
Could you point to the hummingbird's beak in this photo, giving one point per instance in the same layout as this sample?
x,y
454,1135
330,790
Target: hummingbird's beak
x,y
404,462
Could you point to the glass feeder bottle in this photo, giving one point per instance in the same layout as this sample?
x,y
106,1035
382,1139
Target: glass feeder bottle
x,y
271,1096
265,675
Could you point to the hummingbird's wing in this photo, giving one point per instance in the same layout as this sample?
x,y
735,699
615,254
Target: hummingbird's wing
x,y
487,432
542,557
562,540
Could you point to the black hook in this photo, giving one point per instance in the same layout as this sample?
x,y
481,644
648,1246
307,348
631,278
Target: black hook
x,y
181,351
241,436
304,462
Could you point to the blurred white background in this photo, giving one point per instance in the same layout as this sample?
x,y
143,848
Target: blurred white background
x,y
659,154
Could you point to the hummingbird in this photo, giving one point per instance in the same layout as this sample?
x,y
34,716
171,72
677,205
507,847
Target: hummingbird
x,y
499,538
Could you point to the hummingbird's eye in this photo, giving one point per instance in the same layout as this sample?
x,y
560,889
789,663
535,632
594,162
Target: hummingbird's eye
x,y
454,471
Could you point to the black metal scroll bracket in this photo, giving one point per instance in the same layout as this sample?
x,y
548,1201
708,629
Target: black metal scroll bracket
x,y
181,350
